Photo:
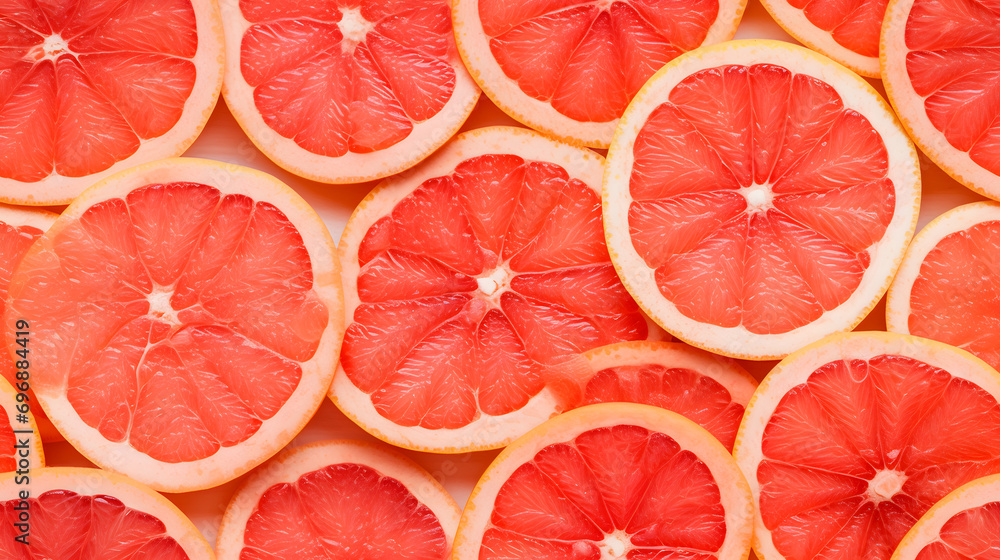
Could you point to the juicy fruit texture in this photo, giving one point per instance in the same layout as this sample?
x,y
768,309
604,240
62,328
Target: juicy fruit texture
x,y
84,84
953,64
608,492
854,25
684,391
973,533
65,524
8,451
348,76
588,59
954,298
757,196
475,286
852,457
339,511
173,318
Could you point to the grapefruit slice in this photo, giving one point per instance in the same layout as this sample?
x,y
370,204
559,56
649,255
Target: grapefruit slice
x,y
708,389
946,287
847,32
850,440
19,228
186,317
90,88
941,69
758,197
89,513
345,92
963,525
610,481
19,439
469,282
339,499
569,67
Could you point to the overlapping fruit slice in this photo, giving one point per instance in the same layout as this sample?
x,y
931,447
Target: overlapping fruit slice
x,y
964,524
610,481
20,444
758,197
946,288
344,91
19,228
91,88
570,67
703,387
89,513
339,499
185,318
470,282
847,443
941,68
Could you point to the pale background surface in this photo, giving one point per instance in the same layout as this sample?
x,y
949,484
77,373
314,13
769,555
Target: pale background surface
x,y
224,140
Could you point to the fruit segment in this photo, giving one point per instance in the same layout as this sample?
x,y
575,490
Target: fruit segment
x,y
756,197
82,86
174,318
475,285
349,76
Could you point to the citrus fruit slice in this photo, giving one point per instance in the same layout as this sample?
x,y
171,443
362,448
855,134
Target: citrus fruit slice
x,y
610,481
941,69
964,525
849,441
185,317
20,444
90,88
945,288
468,282
847,32
344,92
339,499
758,196
89,513
569,67
708,389
19,228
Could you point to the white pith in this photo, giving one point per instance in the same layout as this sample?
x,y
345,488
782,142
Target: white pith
x,y
638,277
354,27
50,49
897,307
796,369
885,484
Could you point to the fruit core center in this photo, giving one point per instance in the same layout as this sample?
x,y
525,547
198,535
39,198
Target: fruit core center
x,y
615,545
353,26
50,49
886,484
495,282
159,305
604,4
758,197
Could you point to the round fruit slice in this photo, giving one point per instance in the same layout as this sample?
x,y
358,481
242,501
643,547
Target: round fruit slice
x,y
345,92
963,525
849,441
610,481
469,282
703,387
948,279
758,197
89,513
339,499
570,67
19,228
847,32
20,445
185,320
88,89
941,69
